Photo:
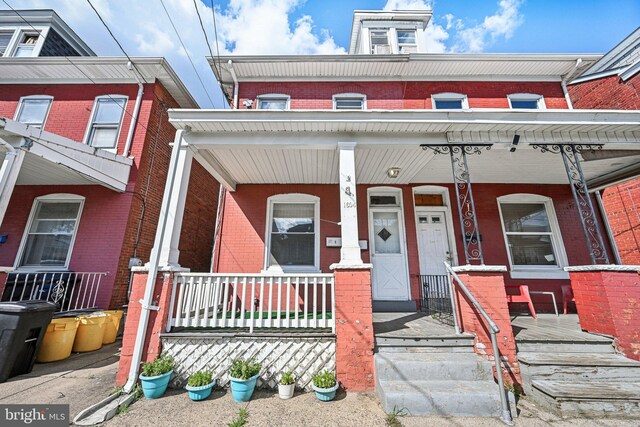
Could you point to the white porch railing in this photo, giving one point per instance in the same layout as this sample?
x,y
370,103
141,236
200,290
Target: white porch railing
x,y
251,301
69,290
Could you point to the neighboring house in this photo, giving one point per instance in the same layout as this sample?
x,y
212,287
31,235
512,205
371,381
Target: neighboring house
x,y
613,83
353,181
84,149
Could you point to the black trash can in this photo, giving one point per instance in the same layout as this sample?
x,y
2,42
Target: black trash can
x,y
22,326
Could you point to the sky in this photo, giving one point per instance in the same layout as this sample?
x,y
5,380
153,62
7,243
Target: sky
x,y
323,27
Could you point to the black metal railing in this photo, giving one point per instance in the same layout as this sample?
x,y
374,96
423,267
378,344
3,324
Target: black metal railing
x,y
436,297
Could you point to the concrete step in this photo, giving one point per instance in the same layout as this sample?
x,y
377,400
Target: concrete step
x,y
434,366
578,366
588,398
456,343
597,345
442,398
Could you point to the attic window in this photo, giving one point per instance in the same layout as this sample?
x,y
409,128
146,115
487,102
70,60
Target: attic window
x,y
273,102
5,38
407,41
349,101
526,101
449,101
26,45
380,42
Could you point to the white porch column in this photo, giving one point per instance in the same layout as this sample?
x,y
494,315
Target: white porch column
x,y
350,251
169,248
8,175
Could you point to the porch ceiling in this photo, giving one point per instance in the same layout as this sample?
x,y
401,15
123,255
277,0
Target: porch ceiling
x,y
54,160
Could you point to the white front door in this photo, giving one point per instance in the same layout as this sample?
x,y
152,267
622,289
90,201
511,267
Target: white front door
x,y
433,242
390,279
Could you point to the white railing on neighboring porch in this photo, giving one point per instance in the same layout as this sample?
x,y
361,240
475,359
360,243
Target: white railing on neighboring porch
x,y
251,301
71,291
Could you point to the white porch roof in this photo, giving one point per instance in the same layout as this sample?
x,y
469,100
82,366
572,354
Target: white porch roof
x,y
254,146
54,160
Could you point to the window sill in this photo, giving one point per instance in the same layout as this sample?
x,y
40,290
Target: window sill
x,y
558,273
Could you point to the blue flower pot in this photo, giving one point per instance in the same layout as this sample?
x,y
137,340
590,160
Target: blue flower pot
x,y
241,390
200,393
154,387
325,394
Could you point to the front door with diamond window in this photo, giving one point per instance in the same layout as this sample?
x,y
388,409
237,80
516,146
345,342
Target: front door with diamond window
x,y
388,255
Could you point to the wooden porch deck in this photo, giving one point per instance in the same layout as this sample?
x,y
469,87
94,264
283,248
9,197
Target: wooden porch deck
x,y
549,327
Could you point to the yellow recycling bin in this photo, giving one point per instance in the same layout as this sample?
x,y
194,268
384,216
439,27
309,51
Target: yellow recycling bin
x,y
90,332
58,340
111,326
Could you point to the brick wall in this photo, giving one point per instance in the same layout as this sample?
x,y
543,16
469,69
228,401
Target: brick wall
x,y
245,215
620,201
402,95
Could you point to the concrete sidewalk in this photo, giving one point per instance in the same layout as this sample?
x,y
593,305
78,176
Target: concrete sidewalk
x,y
80,381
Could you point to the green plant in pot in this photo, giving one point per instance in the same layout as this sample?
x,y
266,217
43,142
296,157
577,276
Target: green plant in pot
x,y
325,385
286,385
243,376
200,384
155,376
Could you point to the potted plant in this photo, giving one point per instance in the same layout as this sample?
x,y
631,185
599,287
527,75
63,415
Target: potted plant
x,y
199,385
287,385
155,376
243,376
325,385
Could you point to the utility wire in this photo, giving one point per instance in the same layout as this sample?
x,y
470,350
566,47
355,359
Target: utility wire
x,y
215,31
76,65
187,53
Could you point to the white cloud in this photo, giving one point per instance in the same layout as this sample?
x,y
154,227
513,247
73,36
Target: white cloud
x,y
501,24
407,5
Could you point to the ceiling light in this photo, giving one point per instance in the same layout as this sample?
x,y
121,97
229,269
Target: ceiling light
x,y
393,172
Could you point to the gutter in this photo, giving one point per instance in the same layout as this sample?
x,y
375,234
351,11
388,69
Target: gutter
x,y
235,85
134,117
154,262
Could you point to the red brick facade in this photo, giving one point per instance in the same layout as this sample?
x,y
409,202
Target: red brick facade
x,y
402,95
608,302
622,202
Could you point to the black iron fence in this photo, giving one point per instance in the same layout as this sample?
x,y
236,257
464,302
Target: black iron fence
x,y
436,297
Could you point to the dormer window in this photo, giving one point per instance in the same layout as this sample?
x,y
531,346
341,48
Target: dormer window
x,y
380,41
407,41
449,101
26,45
273,102
5,39
526,101
349,101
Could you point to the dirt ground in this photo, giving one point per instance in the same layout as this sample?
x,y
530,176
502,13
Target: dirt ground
x,y
266,409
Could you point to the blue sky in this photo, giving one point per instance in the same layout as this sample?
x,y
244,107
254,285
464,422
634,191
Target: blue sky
x,y
323,26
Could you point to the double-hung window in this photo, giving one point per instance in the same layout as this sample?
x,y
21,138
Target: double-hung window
x,y
5,39
33,110
273,102
532,235
407,41
106,119
293,241
379,39
449,101
26,44
526,101
51,231
349,101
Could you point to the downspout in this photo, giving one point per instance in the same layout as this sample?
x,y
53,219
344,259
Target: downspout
x,y
563,83
5,170
134,117
607,227
235,85
154,262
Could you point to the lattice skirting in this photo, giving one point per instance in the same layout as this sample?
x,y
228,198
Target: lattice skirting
x,y
304,356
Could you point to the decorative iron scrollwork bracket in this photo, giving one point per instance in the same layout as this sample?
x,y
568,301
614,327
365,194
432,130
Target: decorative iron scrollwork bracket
x,y
471,240
581,196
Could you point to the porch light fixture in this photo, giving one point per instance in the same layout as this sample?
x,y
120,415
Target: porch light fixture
x,y
393,172
514,143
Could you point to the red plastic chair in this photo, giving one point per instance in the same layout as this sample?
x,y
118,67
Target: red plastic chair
x,y
522,296
567,296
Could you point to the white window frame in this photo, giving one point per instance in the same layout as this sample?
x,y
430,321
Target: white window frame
x,y
94,110
300,199
401,45
536,272
49,198
527,97
348,96
389,41
449,96
34,97
18,32
276,96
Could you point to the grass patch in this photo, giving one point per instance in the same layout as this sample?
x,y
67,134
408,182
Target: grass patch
x,y
393,417
241,419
